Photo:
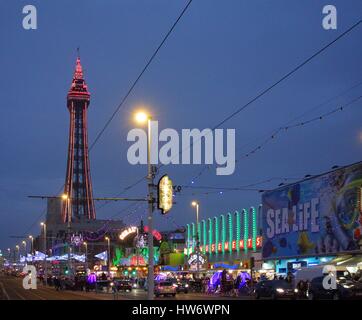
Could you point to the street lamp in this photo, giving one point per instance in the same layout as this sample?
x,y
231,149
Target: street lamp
x,y
24,244
32,247
18,249
66,198
44,226
86,255
108,255
9,253
197,205
141,118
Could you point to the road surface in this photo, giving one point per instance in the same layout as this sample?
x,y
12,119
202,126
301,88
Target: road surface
x,y
11,288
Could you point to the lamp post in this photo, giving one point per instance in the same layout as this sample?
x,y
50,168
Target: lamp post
x,y
45,252
86,255
197,206
66,198
32,247
108,255
142,117
18,253
24,244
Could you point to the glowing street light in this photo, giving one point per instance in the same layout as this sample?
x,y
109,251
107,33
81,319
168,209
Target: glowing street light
x,y
142,117
108,254
18,255
32,244
44,226
197,205
86,254
24,244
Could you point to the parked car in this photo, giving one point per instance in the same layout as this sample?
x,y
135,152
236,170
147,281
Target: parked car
x,y
165,288
343,290
181,286
309,273
275,289
123,285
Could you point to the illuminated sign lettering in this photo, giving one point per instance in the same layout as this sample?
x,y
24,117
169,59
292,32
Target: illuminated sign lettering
x,y
165,194
233,245
125,233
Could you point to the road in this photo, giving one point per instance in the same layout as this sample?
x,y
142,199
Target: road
x,y
11,289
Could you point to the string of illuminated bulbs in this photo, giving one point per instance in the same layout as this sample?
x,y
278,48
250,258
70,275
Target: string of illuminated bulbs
x,y
282,129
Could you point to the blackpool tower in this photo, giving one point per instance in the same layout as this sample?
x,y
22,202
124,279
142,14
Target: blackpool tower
x,y
78,184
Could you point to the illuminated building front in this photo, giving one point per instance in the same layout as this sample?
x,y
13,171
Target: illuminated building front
x,y
228,240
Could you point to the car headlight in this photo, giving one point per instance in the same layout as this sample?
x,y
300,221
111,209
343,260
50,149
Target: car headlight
x,y
296,290
112,284
280,290
175,285
186,285
348,286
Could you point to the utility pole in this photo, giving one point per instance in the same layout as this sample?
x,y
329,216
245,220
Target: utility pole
x,y
151,200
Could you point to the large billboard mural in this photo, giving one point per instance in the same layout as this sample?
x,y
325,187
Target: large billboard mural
x,y
319,215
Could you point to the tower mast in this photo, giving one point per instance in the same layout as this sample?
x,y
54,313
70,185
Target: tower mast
x,y
78,184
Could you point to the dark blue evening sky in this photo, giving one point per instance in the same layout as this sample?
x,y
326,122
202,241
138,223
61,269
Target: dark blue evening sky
x,y
220,56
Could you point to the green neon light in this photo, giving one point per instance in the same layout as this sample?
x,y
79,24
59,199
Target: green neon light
x,y
223,233
254,231
237,218
204,234
199,231
193,236
188,237
216,233
230,218
210,233
246,229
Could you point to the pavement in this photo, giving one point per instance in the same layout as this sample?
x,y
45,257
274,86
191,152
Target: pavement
x,y
11,288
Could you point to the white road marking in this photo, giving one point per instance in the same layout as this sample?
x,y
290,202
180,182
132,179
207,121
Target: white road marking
x,y
4,291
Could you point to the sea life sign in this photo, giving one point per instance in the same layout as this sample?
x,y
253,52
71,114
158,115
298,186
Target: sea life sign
x,y
319,215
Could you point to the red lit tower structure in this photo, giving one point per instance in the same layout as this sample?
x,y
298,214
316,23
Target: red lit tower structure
x,y
78,184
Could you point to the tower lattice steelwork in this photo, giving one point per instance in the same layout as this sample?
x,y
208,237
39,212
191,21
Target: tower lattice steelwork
x,y
78,184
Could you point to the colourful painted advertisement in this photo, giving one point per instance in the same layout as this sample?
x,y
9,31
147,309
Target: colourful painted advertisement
x,y
321,215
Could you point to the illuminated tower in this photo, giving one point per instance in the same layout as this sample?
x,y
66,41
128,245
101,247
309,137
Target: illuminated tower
x,y
78,184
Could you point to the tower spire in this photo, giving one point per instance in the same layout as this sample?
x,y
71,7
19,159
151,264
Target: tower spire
x,y
78,73
78,184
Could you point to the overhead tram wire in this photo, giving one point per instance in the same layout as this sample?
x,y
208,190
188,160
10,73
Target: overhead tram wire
x,y
262,93
130,91
140,75
306,61
271,136
283,78
286,76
